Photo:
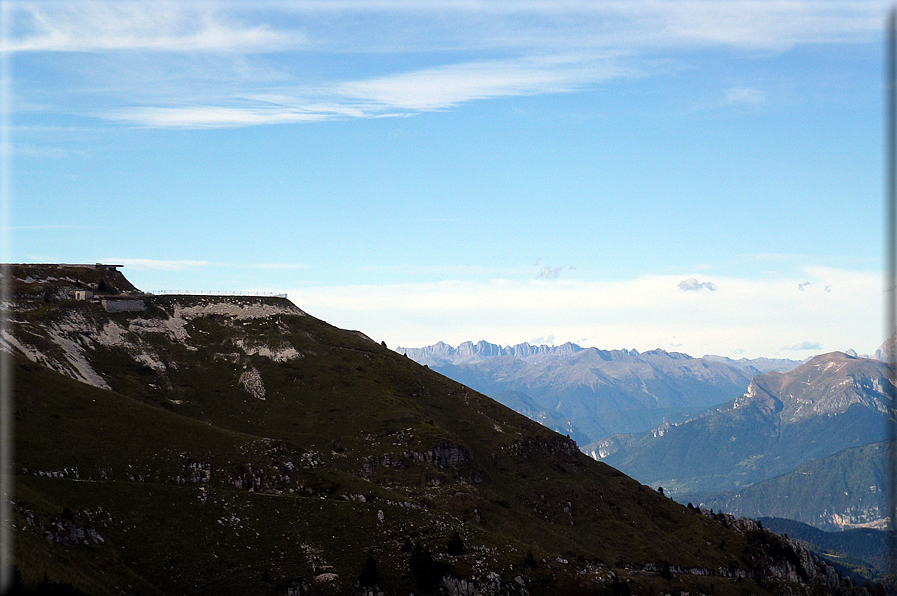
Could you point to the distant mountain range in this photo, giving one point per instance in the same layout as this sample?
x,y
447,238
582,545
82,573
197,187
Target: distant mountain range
x,y
592,394
441,354
783,420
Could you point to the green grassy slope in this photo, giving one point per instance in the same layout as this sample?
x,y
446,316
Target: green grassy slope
x,y
197,486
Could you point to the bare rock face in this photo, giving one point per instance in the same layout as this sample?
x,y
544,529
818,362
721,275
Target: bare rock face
x,y
251,380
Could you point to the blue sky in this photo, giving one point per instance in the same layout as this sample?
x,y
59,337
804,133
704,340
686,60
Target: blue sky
x,y
697,176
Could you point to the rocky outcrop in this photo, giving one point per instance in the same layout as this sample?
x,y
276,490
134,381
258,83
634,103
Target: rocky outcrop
x,y
781,559
443,456
251,381
531,448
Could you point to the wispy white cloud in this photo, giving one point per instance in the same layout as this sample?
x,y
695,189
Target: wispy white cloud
x,y
173,265
92,25
447,86
37,151
97,26
400,94
534,47
215,116
749,96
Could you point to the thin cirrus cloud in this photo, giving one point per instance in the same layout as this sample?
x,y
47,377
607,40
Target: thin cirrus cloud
x,y
447,86
217,116
535,48
422,90
457,24
747,96
138,26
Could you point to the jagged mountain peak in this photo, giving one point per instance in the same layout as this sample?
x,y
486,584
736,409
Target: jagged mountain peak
x,y
884,351
827,384
441,353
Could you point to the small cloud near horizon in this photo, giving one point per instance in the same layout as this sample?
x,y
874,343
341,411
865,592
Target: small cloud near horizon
x,y
804,345
548,340
693,285
549,273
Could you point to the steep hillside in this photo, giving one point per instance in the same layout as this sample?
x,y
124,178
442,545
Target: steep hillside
x,y
832,402
595,392
238,445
